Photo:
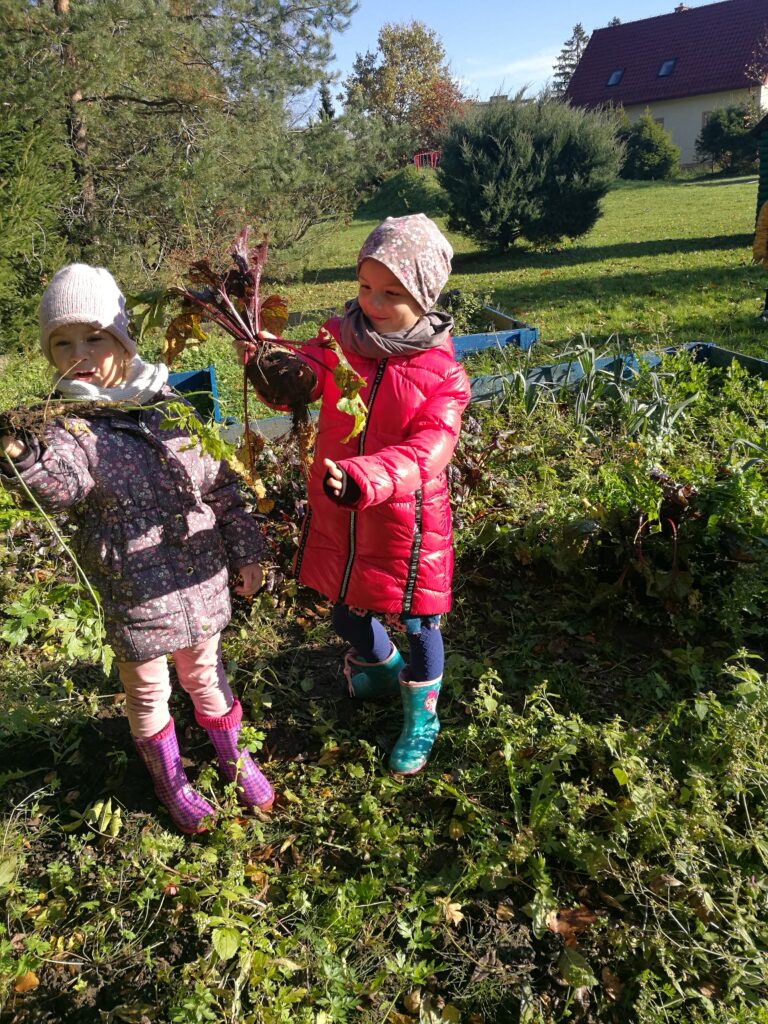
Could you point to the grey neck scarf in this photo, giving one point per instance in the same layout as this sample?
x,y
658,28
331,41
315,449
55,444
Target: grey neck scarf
x,y
358,336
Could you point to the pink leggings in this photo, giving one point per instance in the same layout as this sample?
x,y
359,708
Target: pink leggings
x,y
147,686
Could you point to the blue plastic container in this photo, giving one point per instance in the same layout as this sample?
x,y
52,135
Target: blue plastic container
x,y
199,387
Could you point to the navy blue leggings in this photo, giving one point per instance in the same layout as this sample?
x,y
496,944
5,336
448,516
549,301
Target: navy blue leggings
x,y
371,641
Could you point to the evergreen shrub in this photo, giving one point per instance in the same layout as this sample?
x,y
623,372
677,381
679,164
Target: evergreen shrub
x,y
34,188
408,190
650,153
528,169
726,140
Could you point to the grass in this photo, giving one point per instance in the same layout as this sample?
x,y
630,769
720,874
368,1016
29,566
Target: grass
x,y
667,263
590,840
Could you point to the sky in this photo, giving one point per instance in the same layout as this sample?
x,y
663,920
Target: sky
x,y
493,46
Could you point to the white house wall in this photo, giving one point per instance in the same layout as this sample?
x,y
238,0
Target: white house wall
x,y
684,118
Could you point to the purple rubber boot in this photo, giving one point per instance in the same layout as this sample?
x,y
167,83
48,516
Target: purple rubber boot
x,y
237,765
160,753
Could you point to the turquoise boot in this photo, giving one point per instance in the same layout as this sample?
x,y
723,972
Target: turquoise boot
x,y
420,726
368,680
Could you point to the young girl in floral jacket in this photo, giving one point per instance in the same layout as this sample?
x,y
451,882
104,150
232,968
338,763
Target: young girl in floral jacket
x,y
160,527
376,539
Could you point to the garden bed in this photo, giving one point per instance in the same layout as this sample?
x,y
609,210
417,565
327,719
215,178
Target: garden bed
x,y
588,841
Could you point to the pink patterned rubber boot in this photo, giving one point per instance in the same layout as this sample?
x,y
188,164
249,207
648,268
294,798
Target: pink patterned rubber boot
x,y
237,765
189,811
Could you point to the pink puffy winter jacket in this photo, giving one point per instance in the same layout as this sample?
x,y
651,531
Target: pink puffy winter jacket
x,y
392,550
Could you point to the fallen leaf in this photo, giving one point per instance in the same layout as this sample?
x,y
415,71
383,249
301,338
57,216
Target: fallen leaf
x,y
287,842
581,998
486,965
451,911
395,1017
26,983
412,1001
614,988
568,922
662,882
505,913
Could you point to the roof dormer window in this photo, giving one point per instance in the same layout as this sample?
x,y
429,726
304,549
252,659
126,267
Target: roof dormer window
x,y
667,67
615,76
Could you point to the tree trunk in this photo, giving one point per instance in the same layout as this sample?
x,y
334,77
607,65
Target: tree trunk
x,y
78,136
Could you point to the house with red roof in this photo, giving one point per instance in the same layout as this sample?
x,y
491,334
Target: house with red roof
x,y
681,66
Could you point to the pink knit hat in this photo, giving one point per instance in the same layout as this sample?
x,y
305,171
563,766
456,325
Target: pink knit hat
x,y
415,251
81,294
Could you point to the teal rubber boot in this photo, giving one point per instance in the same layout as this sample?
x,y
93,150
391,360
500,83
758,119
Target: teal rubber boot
x,y
420,726
373,680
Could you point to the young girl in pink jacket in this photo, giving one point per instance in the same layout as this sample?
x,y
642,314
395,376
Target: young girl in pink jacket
x,y
376,539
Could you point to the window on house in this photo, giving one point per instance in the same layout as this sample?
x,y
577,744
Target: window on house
x,y
705,117
659,121
667,67
615,76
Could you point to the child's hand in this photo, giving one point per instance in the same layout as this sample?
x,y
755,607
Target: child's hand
x,y
12,446
249,581
335,477
241,347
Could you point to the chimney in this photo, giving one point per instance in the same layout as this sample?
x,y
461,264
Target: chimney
x,y
681,7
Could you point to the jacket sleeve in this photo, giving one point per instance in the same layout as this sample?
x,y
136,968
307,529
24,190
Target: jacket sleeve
x,y
55,472
401,469
242,535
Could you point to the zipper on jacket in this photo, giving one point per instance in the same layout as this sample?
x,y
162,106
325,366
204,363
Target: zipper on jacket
x,y
413,565
303,541
360,451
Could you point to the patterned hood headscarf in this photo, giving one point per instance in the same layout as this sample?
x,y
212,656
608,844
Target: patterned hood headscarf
x,y
415,251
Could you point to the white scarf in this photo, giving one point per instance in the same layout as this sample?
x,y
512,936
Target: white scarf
x,y
141,384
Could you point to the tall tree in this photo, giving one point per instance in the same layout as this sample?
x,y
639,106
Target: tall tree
x,y
155,102
407,82
569,57
327,110
614,22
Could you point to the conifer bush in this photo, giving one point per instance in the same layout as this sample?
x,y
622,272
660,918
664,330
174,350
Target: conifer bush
x,y
650,152
726,138
34,187
407,190
533,169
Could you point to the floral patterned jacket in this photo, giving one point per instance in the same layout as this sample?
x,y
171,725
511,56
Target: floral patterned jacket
x,y
160,524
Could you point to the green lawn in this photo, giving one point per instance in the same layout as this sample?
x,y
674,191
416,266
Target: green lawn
x,y
666,263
